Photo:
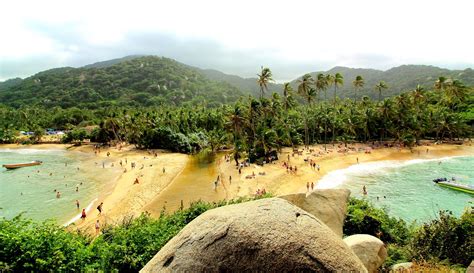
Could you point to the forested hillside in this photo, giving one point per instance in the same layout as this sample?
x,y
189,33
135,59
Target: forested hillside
x,y
398,79
142,81
150,81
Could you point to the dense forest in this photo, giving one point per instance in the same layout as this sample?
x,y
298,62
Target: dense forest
x,y
144,81
256,126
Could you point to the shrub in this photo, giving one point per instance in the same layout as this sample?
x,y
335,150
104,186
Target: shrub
x,y
364,218
446,238
127,247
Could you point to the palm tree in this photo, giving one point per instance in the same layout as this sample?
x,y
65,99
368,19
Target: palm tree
x,y
304,87
263,79
441,83
358,84
455,93
380,86
337,80
288,100
321,83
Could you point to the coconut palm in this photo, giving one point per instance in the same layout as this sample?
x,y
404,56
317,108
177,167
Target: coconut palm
x,y
338,80
288,100
358,84
264,78
321,84
441,83
381,86
304,87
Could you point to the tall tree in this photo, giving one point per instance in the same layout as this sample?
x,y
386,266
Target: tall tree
x,y
358,84
322,84
264,78
381,86
336,80
304,89
288,100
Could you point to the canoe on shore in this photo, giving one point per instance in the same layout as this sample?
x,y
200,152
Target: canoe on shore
x,y
20,165
455,186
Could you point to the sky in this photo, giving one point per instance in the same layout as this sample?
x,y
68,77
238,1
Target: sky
x,y
238,36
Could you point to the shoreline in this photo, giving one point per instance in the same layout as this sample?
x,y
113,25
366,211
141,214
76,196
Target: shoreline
x,y
123,199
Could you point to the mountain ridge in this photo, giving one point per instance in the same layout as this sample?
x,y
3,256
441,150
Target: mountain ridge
x,y
399,79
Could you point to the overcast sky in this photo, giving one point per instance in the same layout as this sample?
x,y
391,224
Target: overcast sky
x,y
237,37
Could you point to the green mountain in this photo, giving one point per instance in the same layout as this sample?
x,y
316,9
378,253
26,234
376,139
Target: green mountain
x,y
149,80
135,81
246,85
399,79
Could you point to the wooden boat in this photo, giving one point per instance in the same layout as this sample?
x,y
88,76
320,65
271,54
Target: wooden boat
x,y
456,186
20,165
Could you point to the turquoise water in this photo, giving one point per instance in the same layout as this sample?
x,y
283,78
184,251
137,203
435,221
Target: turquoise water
x,y
30,190
407,185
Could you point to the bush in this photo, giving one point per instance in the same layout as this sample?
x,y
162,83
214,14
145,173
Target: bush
x,y
127,247
364,218
446,238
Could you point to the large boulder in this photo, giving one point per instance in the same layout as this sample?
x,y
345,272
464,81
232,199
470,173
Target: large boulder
x,y
328,205
370,250
259,236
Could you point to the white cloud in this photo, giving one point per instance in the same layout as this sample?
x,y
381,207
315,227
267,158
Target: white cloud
x,y
323,33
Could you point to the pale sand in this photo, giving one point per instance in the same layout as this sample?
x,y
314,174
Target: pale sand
x,y
123,198
279,182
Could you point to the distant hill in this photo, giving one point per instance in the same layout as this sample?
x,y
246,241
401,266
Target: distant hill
x,y
108,63
246,85
149,80
10,83
135,81
399,79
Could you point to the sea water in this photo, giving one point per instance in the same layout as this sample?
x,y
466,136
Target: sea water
x,y
405,188
30,190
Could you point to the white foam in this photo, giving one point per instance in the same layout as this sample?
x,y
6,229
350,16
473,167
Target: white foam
x,y
336,178
77,217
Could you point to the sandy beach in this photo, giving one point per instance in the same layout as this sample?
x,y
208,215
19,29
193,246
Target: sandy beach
x,y
123,198
278,181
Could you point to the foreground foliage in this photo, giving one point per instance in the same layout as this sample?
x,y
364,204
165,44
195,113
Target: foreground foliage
x,y
446,238
127,247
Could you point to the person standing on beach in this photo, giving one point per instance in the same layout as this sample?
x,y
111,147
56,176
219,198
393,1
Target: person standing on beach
x,y
312,186
83,214
307,186
164,170
357,160
97,227
77,204
99,207
230,179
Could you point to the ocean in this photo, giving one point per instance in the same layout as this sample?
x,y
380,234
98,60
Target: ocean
x,y
30,191
405,188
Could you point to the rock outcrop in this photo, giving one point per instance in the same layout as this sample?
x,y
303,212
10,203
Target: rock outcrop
x,y
264,235
370,250
328,205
